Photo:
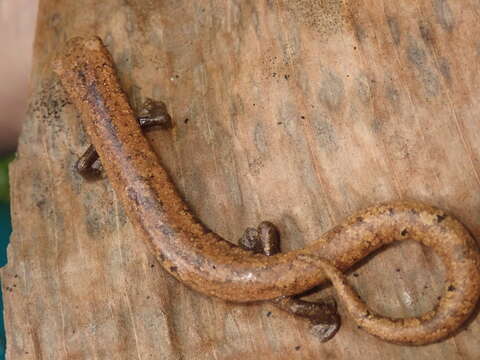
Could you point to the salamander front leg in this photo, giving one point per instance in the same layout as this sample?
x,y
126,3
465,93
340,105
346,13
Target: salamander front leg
x,y
323,316
153,114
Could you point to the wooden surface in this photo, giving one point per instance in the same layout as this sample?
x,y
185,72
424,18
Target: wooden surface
x,y
299,112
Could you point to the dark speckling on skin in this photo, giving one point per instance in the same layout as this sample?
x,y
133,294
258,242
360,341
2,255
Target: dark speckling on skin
x,y
166,230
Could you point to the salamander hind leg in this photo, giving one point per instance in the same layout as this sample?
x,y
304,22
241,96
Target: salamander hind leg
x,y
323,316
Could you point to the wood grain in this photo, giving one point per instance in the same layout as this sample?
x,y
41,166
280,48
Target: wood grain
x,y
298,112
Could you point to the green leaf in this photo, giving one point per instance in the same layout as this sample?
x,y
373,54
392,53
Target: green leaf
x,y
4,189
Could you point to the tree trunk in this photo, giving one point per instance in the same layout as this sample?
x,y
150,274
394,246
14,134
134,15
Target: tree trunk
x,y
295,111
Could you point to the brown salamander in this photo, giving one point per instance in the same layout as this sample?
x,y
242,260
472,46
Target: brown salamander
x,y
207,263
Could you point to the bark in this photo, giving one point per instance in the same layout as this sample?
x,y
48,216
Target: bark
x,y
297,112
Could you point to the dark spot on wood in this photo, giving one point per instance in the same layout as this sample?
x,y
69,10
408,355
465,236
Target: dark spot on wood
x,y
260,139
360,219
40,204
404,232
397,270
393,95
358,30
451,288
416,55
173,268
186,120
214,267
356,274
426,33
297,347
302,117
444,14
325,132
364,88
287,76
55,20
152,265
445,70
332,91
269,314
394,30
391,211
441,217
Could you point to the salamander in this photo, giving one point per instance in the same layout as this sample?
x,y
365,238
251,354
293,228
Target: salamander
x,y
204,261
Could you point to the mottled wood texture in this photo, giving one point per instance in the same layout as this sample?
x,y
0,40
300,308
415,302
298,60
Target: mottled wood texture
x,y
295,111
